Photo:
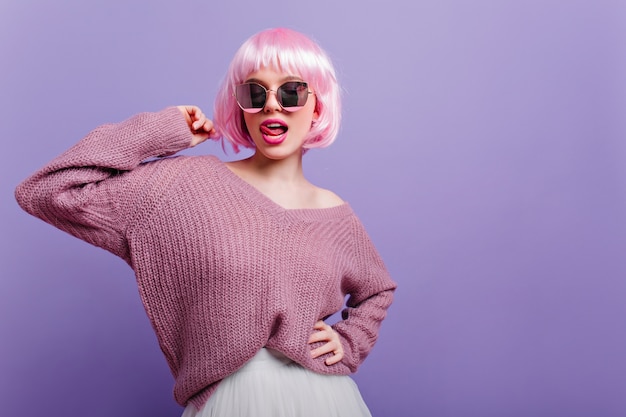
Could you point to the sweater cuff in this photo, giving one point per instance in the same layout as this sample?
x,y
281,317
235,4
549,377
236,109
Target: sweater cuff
x,y
171,133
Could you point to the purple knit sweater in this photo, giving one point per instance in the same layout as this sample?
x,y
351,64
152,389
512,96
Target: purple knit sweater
x,y
222,270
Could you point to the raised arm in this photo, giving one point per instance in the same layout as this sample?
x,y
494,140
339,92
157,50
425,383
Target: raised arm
x,y
91,191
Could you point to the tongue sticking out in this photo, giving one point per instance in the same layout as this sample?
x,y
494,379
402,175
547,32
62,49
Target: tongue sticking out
x,y
273,129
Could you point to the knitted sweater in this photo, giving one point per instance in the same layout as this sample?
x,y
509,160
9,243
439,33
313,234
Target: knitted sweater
x,y
222,270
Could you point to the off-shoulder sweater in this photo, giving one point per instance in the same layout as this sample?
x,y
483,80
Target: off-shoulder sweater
x,y
222,270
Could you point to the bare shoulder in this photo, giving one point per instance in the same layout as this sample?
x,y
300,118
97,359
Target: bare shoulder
x,y
327,198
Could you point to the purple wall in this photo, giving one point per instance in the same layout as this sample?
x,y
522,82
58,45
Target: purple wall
x,y
484,147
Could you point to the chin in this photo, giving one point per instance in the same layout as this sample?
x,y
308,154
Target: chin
x,y
279,156
279,151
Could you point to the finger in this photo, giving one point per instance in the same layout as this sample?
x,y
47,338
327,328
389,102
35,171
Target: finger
x,y
329,347
336,358
321,325
204,124
197,125
198,120
207,126
323,332
194,116
213,134
188,110
326,333
319,336
194,110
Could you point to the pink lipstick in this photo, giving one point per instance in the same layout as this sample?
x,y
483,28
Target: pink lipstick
x,y
274,131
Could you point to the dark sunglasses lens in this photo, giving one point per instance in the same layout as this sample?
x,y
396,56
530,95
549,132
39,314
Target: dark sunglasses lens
x,y
293,94
250,95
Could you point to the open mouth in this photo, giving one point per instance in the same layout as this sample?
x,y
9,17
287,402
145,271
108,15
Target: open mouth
x,y
273,131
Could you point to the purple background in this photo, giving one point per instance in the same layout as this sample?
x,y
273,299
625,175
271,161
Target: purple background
x,y
483,146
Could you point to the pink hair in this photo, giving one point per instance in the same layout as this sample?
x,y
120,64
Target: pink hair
x,y
288,51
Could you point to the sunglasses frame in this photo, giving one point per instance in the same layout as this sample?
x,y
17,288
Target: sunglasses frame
x,y
278,97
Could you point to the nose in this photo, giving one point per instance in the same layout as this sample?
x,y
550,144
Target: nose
x,y
271,102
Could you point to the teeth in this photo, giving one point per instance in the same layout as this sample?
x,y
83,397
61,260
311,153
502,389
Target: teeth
x,y
274,125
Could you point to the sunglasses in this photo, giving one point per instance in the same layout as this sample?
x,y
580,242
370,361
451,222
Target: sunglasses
x,y
291,96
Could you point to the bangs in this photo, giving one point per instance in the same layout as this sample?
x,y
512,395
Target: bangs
x,y
284,51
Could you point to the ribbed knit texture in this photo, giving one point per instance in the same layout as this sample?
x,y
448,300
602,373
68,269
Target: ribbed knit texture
x,y
222,270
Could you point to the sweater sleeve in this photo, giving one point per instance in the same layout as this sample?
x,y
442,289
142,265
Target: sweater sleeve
x,y
90,189
370,290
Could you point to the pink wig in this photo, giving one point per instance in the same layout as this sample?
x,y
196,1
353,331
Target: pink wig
x,y
287,51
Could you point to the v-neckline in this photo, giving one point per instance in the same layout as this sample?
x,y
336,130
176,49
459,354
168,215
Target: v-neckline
x,y
266,202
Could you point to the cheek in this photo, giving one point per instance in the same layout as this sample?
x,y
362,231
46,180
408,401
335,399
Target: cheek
x,y
245,121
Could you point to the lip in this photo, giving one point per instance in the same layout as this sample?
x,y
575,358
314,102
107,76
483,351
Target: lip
x,y
271,139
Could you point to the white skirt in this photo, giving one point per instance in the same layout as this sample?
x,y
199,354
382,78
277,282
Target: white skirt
x,y
272,385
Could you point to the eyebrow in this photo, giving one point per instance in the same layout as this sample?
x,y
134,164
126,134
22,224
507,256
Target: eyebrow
x,y
282,80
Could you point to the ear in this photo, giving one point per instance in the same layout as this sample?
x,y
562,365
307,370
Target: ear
x,y
316,117
316,111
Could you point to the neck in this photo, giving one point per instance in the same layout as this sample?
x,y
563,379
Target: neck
x,y
288,170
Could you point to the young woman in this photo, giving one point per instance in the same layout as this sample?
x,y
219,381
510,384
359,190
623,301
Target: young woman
x,y
239,263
